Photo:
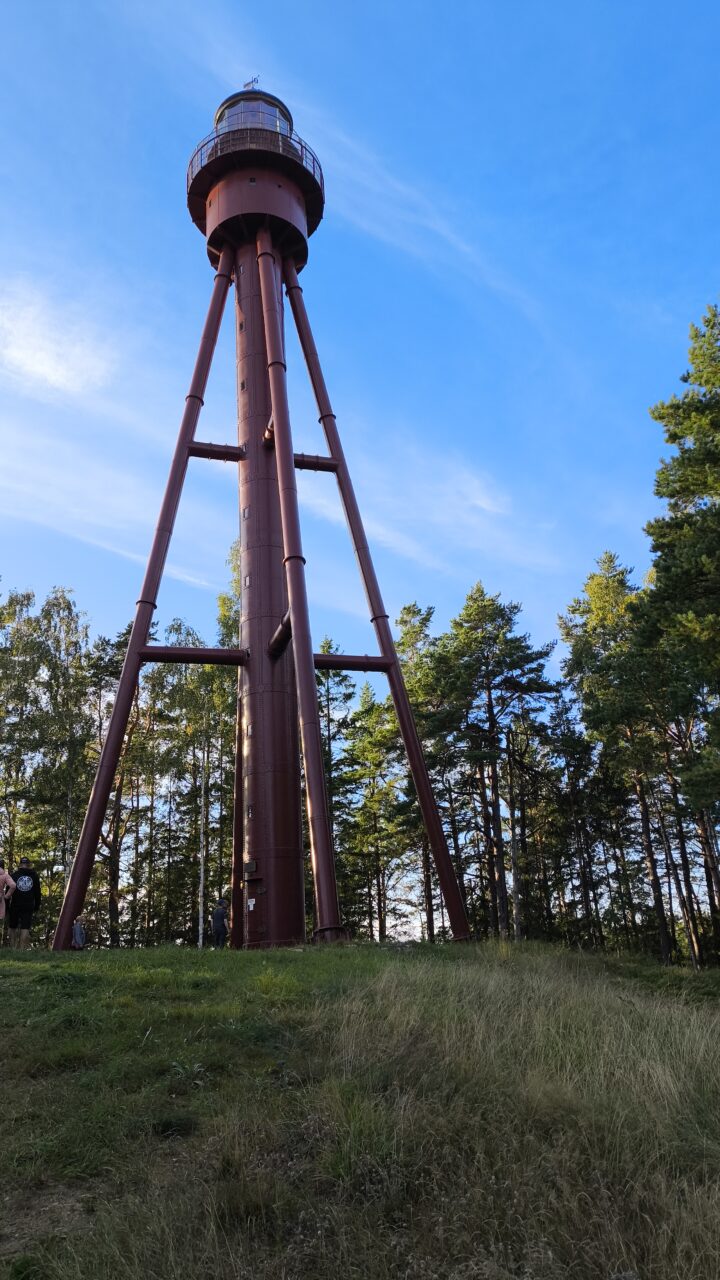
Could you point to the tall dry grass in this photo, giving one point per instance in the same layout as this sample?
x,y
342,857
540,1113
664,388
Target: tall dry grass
x,y
487,1114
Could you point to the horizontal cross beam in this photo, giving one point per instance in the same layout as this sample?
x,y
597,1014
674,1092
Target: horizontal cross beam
x,y
238,453
280,638
314,462
351,662
180,653
238,657
218,452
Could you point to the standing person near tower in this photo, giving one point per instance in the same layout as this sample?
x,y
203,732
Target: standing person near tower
x,y
23,904
7,888
219,924
79,935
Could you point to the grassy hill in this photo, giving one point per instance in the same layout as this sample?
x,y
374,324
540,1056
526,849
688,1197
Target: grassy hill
x,y
480,1113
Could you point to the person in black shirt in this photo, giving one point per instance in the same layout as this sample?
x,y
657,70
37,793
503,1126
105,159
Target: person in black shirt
x,y
219,924
23,904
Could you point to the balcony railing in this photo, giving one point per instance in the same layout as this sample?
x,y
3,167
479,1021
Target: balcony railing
x,y
233,135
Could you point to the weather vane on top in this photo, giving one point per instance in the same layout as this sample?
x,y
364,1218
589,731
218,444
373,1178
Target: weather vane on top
x,y
250,84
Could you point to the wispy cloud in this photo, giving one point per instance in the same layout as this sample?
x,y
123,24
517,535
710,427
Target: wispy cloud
x,y
445,501
368,192
367,188
51,481
171,570
317,496
49,346
414,505
440,512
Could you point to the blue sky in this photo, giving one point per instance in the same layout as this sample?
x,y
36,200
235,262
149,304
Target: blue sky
x,y
521,223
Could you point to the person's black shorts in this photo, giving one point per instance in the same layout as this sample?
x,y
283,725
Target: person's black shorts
x,y
219,937
20,917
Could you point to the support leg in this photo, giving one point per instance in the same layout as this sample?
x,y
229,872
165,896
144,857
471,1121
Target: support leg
x,y
328,925
378,615
237,904
79,878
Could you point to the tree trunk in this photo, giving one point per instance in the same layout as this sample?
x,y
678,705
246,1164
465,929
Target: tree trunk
x,y
381,918
524,852
692,922
221,818
454,835
113,841
624,880
191,925
481,918
714,913
150,900
489,849
427,890
608,881
502,897
707,843
371,914
711,879
583,857
381,921
547,894
518,915
135,873
494,739
652,871
673,876
167,865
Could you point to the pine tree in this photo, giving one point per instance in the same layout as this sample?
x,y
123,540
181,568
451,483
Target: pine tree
x,y
610,672
498,674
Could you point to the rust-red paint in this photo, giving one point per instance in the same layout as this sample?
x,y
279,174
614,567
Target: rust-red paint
x,y
255,190
327,912
314,462
217,452
79,878
268,773
281,637
203,657
351,662
254,197
378,615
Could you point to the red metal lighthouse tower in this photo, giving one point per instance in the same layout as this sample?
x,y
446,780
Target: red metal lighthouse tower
x,y
255,190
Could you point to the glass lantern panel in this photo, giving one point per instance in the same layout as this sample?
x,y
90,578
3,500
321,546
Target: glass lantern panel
x,y
254,113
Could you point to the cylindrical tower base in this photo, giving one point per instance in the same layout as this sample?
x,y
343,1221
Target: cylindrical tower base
x,y
269,764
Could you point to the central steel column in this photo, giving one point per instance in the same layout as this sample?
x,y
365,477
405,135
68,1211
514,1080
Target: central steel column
x,y
268,759
328,927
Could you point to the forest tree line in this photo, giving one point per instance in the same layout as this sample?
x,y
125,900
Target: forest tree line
x,y
582,810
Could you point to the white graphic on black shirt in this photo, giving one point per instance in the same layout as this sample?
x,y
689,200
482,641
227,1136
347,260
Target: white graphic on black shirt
x,y
24,883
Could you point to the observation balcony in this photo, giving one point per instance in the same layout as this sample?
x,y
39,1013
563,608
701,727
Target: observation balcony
x,y
254,129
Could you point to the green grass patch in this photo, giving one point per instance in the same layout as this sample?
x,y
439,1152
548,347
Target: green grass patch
x,y
495,1112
